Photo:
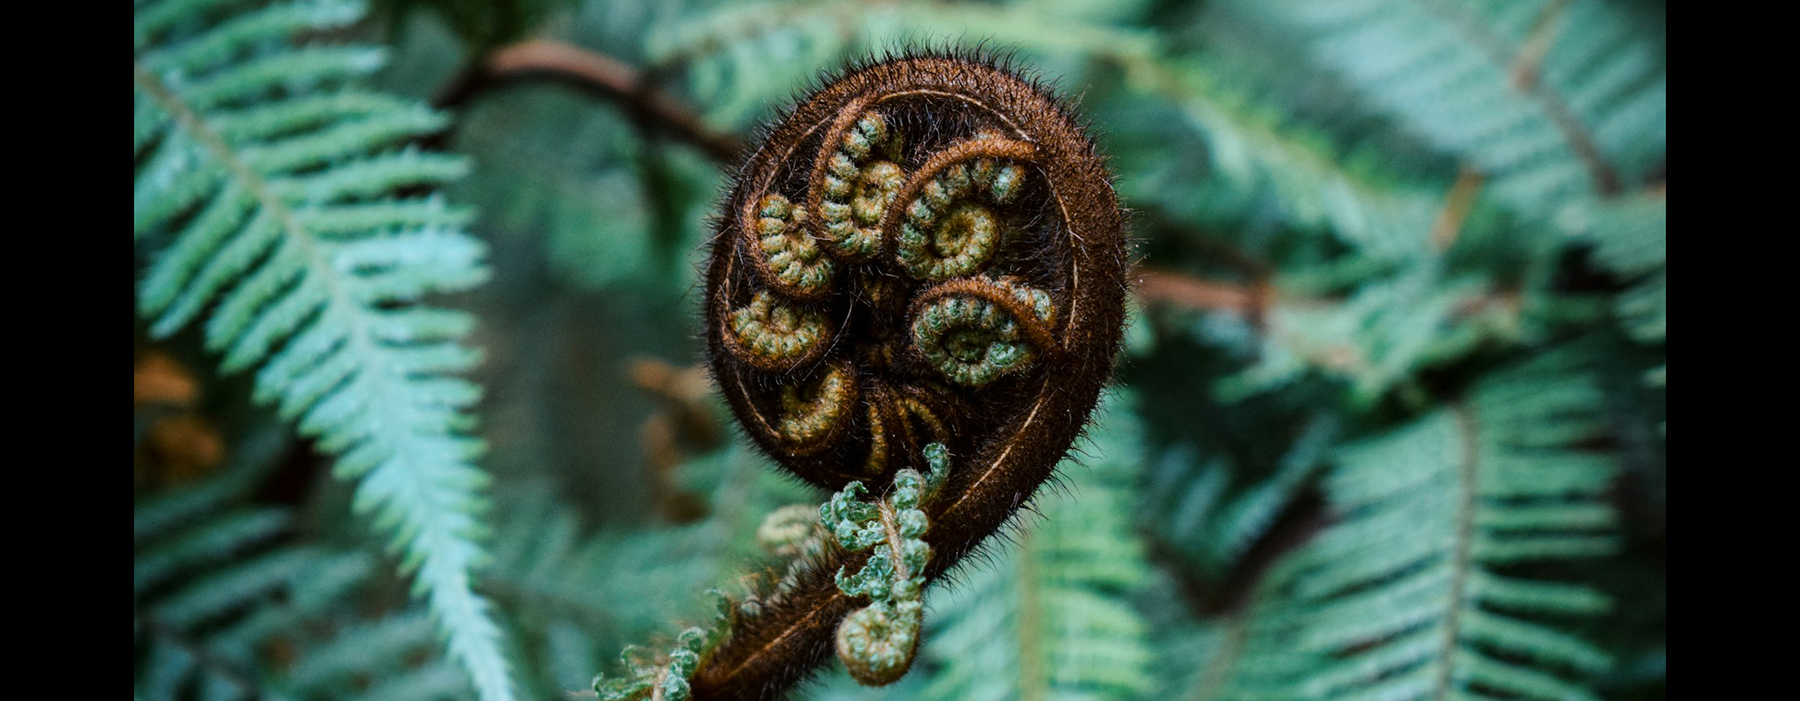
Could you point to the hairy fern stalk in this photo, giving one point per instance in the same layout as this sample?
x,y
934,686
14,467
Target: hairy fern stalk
x,y
266,181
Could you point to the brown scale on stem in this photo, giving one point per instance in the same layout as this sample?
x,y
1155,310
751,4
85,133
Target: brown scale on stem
x,y
925,250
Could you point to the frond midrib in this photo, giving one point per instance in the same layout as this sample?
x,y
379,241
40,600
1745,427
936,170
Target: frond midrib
x,y
1032,679
441,555
1461,554
1553,106
359,336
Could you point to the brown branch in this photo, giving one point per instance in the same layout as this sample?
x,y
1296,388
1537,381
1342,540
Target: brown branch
x,y
1165,287
1457,205
1530,57
682,425
598,75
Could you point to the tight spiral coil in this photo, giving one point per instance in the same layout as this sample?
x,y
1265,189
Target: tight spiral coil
x,y
923,259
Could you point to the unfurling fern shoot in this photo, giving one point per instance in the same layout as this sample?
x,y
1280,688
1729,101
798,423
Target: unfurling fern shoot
x,y
920,270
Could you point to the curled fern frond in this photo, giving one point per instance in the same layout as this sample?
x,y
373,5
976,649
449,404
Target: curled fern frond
x,y
877,642
975,304
266,183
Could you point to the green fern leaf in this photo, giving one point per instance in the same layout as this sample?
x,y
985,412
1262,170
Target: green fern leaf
x,y
1555,100
1379,337
217,593
1416,592
1194,506
1631,237
1252,147
266,178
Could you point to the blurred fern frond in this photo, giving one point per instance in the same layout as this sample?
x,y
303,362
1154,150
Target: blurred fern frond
x,y
1214,522
743,59
1555,100
225,605
1631,238
1425,586
577,595
1387,331
268,184
1252,146
1048,617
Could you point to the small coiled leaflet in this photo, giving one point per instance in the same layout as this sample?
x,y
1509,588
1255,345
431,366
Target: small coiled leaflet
x,y
793,261
976,331
854,191
775,334
877,643
812,411
943,234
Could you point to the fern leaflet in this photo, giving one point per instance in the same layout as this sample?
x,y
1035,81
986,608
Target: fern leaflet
x,y
214,591
1418,592
1556,100
268,177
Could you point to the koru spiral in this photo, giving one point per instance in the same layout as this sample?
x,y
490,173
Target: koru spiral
x,y
925,250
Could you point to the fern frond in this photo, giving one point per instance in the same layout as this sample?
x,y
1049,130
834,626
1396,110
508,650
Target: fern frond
x,y
746,57
210,601
742,57
1382,335
581,196
269,178
1252,147
251,459
1555,100
1631,237
1198,509
1248,655
578,596
205,599
1416,592
1048,618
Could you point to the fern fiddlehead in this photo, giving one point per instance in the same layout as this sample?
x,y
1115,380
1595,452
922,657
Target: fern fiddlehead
x,y
920,271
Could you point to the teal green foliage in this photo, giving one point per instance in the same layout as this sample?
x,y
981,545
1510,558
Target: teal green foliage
x,y
265,182
217,581
1553,99
479,22
1410,451
571,588
591,196
1424,586
1212,521
1631,238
